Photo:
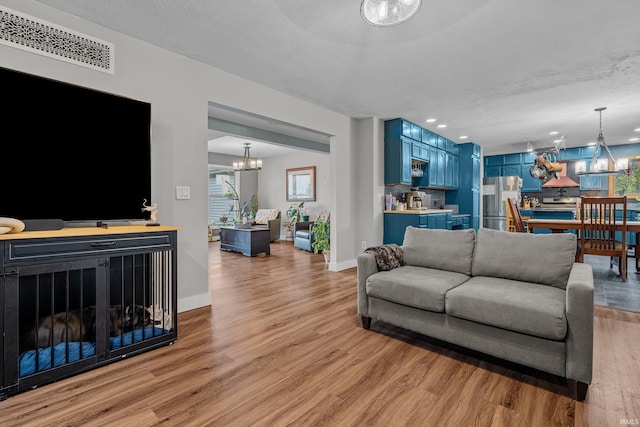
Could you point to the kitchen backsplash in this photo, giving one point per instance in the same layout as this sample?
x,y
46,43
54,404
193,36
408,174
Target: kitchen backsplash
x,y
399,191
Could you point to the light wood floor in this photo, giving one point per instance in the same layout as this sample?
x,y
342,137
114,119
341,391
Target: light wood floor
x,y
282,345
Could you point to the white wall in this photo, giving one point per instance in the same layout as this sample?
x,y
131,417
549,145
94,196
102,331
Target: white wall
x,y
179,90
272,182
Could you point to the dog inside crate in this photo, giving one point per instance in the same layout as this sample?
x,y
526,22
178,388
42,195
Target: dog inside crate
x,y
58,312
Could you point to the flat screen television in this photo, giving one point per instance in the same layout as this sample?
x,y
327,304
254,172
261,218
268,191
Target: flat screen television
x,y
71,153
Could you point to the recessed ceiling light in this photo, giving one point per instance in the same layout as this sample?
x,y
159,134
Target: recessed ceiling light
x,y
464,137
555,132
431,120
634,139
557,141
591,143
636,130
442,126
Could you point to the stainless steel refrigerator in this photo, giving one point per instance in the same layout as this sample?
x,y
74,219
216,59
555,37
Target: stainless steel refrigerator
x,y
495,191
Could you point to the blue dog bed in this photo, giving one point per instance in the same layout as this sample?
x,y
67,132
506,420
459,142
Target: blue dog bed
x,y
28,358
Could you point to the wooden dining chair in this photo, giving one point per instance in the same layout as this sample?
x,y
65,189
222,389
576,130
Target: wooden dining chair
x,y
518,224
602,220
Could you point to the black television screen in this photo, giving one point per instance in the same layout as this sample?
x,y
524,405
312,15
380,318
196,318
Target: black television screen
x,y
72,153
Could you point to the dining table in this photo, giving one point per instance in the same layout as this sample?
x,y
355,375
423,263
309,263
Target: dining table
x,y
562,225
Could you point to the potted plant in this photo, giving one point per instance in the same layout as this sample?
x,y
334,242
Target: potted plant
x,y
294,213
304,214
321,232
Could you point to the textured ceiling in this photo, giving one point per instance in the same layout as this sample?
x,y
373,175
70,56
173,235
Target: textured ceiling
x,y
499,71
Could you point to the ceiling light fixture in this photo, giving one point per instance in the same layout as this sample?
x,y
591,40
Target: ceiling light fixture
x,y
463,137
442,126
386,13
430,120
597,166
248,163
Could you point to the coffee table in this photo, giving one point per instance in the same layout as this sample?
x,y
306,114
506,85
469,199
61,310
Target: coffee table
x,y
248,241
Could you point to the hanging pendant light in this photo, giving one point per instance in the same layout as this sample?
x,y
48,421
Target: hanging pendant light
x,y
600,167
248,163
385,13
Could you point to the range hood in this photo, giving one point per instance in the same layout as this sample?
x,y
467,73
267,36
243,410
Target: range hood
x,y
562,180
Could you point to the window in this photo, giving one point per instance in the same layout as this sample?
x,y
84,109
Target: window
x,y
219,205
628,185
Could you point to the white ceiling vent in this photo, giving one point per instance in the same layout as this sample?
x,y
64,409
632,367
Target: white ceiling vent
x,y
35,35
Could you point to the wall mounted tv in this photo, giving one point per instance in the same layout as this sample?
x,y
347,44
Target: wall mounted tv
x,y
71,153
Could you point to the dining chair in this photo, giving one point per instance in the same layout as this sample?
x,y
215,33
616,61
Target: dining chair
x,y
602,219
518,223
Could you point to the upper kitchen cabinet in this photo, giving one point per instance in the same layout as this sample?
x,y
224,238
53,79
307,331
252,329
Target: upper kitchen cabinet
x,y
405,142
397,151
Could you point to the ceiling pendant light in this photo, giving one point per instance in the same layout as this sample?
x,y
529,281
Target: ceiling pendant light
x,y
601,166
385,13
248,163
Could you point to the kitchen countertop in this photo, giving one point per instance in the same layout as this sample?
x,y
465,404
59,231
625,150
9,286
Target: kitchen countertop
x,y
419,211
548,209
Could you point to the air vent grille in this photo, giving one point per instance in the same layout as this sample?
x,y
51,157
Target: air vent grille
x,y
44,38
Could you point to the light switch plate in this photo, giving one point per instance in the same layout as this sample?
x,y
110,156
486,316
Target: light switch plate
x,y
183,192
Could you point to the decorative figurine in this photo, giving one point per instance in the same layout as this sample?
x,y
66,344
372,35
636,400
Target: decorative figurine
x,y
153,209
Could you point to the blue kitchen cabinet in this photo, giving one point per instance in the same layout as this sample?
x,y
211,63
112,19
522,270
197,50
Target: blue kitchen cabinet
x,y
467,195
438,221
396,223
455,163
404,142
429,138
397,152
512,159
492,171
440,174
512,170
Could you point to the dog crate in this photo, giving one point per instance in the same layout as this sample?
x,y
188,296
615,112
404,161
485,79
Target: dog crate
x,y
71,304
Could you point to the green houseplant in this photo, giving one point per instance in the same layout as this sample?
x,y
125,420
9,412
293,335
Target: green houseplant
x,y
295,212
321,231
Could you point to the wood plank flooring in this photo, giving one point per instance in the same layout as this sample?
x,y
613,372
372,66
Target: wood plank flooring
x,y
282,345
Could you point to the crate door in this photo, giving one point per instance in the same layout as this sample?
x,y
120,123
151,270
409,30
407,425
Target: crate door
x,y
50,319
141,300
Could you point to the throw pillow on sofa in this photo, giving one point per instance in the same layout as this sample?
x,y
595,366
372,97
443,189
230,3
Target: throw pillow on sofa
x,y
538,258
263,216
450,250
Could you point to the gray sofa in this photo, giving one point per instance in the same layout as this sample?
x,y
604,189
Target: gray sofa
x,y
519,297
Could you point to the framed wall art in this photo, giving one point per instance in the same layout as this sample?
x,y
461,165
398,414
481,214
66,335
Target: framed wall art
x,y
301,184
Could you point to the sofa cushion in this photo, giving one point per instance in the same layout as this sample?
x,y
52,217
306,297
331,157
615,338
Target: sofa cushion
x,y
418,287
539,258
509,304
263,216
450,250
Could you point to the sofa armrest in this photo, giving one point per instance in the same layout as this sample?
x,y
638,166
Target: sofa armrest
x,y
579,309
366,267
274,229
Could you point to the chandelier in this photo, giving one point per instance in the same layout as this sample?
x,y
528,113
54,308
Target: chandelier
x,y
600,167
248,163
385,13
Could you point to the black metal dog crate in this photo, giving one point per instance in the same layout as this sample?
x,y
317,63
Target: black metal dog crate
x,y
76,302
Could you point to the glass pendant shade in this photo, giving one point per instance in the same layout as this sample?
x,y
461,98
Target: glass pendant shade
x,y
385,13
